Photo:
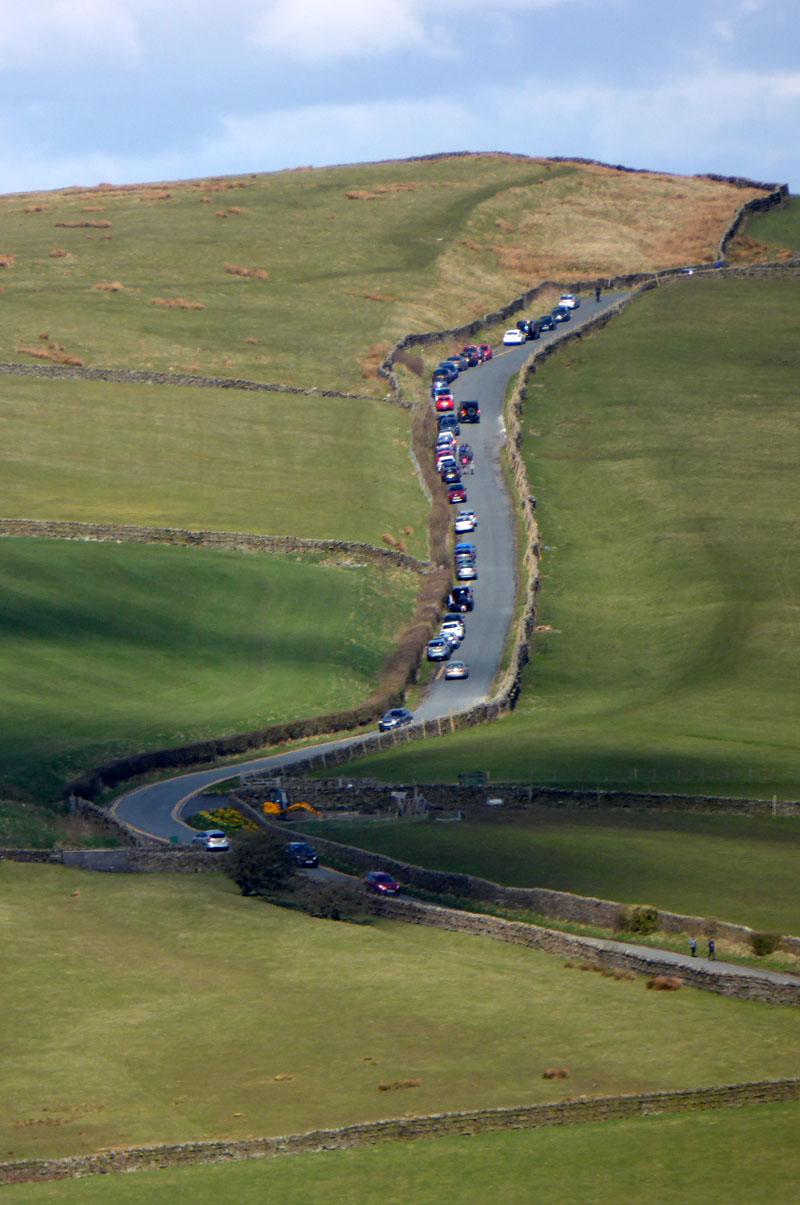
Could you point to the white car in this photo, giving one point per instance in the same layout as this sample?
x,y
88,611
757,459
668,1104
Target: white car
x,y
466,520
453,629
569,301
212,839
514,336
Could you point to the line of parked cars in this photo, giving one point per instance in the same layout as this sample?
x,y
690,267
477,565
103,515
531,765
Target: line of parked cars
x,y
532,328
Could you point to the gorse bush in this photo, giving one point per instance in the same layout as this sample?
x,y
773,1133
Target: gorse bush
x,y
639,918
764,943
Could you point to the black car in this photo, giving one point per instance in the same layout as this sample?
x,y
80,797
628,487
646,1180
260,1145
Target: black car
x,y
472,353
528,328
396,717
447,373
449,422
562,314
469,412
451,474
461,599
546,323
301,854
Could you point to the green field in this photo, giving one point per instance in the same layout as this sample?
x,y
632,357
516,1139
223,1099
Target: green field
x,y
355,257
743,869
161,1008
663,455
713,1157
109,648
777,229
222,460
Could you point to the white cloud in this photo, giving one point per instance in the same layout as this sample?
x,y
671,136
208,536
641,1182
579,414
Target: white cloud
x,y
315,30
64,29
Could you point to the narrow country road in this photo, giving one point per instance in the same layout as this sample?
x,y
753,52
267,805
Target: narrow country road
x,y
155,809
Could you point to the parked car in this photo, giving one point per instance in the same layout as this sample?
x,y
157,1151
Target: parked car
x,y
395,717
446,373
444,461
301,854
449,422
466,520
514,336
451,474
561,314
546,323
381,882
456,492
469,412
464,547
445,401
466,570
453,622
456,669
486,351
461,599
439,649
212,839
569,300
472,353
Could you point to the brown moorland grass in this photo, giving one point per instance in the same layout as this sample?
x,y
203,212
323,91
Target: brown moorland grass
x,y
177,303
54,353
102,224
251,273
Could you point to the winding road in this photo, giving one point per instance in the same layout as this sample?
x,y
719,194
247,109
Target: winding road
x,y
154,810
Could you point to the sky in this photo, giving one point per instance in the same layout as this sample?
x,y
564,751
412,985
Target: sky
x,y
127,91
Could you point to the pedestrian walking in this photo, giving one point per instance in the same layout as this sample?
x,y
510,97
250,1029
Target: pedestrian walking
x,y
712,948
693,946
597,292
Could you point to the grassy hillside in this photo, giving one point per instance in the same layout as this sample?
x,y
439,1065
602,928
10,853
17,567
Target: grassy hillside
x,y
169,1008
718,1156
106,649
663,455
771,235
304,277
742,868
214,459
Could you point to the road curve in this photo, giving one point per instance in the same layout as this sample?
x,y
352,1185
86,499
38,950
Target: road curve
x,y
154,810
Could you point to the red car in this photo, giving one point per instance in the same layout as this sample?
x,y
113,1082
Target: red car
x,y
486,351
445,401
381,882
457,492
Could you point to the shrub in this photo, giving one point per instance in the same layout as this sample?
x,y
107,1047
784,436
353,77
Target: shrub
x,y
555,1073
333,899
764,943
258,864
641,918
177,303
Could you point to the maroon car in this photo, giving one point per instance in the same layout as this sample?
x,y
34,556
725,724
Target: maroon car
x,y
381,882
457,492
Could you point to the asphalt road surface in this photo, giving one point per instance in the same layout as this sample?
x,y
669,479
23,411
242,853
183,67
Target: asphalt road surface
x,y
155,809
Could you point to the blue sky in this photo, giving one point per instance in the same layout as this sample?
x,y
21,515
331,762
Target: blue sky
x,y
136,90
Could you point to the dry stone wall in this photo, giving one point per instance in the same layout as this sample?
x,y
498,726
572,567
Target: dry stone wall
x,y
230,540
404,1129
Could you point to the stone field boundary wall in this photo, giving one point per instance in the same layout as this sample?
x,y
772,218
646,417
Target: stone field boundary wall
x,y
604,954
560,905
124,376
237,541
405,1129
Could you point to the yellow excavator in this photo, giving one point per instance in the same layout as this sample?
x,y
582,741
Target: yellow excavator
x,y
277,804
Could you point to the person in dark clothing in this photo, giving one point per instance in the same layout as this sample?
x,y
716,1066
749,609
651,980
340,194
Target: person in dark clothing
x,y
693,946
712,948
597,292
